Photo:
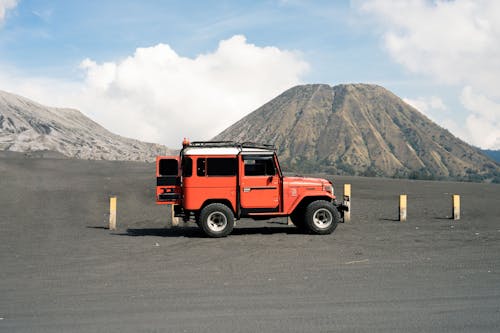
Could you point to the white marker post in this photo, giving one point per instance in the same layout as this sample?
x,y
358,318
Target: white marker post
x,y
456,206
175,220
402,207
112,213
347,202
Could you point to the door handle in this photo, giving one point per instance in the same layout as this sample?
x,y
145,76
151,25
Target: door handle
x,y
248,189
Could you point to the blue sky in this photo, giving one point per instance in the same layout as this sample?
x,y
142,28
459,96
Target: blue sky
x,y
207,60
61,33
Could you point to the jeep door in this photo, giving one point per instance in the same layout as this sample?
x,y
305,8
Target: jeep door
x,y
260,184
168,180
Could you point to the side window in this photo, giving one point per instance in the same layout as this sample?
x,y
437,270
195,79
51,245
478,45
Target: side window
x,y
216,166
168,167
187,167
221,166
259,166
201,167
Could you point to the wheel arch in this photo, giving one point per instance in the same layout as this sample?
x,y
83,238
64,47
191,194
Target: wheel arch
x,y
221,201
305,201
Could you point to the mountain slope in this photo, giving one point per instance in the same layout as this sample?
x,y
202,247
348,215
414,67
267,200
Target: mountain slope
x,y
27,126
358,129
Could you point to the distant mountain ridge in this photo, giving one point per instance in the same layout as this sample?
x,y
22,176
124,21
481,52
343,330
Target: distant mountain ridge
x,y
27,126
359,129
493,154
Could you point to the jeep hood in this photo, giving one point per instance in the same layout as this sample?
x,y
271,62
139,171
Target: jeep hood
x,y
305,181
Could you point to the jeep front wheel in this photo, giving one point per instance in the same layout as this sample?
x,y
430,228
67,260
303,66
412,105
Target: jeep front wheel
x,y
321,217
216,220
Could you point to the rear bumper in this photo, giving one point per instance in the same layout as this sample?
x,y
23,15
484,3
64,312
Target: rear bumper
x,y
168,197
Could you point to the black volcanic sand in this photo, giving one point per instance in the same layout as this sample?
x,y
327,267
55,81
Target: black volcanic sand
x,y
61,270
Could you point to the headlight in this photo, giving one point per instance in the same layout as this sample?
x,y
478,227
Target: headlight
x,y
328,188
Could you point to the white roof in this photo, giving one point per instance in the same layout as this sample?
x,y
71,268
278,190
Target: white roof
x,y
224,151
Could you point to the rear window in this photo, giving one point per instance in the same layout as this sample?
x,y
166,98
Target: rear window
x,y
216,166
168,167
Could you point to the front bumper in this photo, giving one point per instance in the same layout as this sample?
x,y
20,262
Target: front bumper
x,y
341,207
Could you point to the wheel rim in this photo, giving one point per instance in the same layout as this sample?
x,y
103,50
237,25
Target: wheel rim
x,y
322,218
217,221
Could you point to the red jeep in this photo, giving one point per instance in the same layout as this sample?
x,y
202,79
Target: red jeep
x,y
216,182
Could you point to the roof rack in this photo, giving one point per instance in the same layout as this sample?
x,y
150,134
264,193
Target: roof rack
x,y
212,144
257,145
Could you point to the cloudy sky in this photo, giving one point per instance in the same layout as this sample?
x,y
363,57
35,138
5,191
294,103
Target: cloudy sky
x,y
163,70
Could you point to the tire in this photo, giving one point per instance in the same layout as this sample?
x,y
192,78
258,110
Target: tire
x,y
216,220
321,217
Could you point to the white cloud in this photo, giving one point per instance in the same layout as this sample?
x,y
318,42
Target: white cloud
x,y
452,42
428,105
4,6
436,110
44,14
484,119
159,96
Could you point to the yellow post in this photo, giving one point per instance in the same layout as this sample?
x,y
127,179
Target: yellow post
x,y
175,220
112,213
289,221
347,202
456,206
402,207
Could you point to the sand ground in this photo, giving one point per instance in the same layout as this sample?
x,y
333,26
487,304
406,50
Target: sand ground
x,y
61,270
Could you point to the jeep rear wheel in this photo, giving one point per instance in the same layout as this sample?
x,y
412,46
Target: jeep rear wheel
x,y
321,217
216,220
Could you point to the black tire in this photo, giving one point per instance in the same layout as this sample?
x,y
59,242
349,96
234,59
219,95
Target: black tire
x,y
321,217
216,220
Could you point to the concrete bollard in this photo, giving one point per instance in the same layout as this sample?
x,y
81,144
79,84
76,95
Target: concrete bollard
x,y
455,206
112,213
347,202
402,207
